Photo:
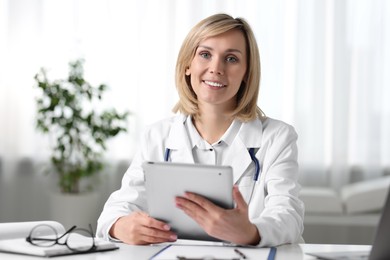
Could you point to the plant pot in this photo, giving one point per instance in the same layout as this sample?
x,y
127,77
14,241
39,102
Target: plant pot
x,y
75,209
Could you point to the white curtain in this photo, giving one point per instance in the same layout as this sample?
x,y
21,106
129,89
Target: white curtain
x,y
325,70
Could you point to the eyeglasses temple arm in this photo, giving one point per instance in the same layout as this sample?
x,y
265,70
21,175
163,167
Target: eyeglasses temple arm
x,y
67,232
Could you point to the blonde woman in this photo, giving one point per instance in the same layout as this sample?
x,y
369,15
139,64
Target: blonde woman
x,y
218,122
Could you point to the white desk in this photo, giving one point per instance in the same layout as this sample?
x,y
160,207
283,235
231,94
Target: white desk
x,y
127,252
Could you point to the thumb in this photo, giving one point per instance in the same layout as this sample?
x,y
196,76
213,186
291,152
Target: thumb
x,y
240,202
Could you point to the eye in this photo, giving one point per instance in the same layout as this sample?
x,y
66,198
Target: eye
x,y
231,59
205,55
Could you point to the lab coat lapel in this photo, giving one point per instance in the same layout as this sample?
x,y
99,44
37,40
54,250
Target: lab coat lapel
x,y
179,143
238,157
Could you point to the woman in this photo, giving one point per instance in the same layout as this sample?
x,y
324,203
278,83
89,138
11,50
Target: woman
x,y
217,78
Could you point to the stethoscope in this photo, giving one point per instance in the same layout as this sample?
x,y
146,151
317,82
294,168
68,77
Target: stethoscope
x,y
254,160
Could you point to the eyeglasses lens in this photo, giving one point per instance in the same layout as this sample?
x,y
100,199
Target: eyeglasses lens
x,y
77,243
43,235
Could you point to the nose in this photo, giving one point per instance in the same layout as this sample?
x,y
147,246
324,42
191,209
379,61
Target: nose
x,y
217,66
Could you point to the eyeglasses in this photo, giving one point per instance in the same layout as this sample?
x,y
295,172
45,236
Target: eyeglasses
x,y
46,236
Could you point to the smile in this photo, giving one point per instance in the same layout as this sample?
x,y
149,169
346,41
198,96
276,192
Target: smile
x,y
214,84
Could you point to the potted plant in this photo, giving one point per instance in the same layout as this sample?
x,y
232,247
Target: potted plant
x,y
66,112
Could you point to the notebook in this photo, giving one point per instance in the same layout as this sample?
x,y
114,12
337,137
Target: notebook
x,y
166,180
380,248
13,240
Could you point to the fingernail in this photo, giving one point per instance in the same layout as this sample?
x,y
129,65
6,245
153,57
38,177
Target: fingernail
x,y
173,237
166,227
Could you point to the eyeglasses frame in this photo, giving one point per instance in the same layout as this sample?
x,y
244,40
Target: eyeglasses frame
x,y
56,241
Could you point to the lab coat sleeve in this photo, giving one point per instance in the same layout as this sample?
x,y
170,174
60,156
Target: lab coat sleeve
x,y
130,197
281,220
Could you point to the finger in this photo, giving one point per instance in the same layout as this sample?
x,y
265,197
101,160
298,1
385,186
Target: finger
x,y
188,206
147,240
201,201
148,221
152,235
192,209
237,196
153,240
155,231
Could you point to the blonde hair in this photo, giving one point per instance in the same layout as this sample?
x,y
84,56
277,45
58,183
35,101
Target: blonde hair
x,y
247,95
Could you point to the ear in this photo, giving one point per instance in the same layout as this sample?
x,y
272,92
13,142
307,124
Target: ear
x,y
188,72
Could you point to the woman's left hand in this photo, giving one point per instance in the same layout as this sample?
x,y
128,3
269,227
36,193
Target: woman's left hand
x,y
226,224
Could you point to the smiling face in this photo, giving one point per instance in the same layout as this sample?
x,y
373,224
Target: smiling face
x,y
218,68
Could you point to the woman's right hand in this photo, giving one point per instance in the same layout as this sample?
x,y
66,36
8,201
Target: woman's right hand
x,y
138,228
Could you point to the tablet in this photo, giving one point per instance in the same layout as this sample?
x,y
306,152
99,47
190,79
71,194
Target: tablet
x,y
166,180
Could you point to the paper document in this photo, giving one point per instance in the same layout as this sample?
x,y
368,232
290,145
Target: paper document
x,y
21,246
210,252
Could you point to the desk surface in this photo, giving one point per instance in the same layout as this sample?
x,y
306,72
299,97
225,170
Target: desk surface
x,y
288,252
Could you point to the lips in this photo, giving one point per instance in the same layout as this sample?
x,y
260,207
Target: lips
x,y
214,83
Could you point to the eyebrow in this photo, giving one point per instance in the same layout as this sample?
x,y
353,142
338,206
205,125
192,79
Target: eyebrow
x,y
228,50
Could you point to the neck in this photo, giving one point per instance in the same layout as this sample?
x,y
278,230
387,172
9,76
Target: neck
x,y
211,125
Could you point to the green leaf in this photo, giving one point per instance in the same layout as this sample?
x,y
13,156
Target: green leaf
x,y
81,135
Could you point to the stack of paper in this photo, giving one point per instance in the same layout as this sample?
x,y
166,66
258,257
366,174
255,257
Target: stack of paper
x,y
21,246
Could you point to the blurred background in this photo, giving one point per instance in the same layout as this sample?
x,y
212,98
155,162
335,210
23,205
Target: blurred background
x,y
325,70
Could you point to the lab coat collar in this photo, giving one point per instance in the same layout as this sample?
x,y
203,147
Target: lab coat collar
x,y
249,136
197,141
178,140
251,133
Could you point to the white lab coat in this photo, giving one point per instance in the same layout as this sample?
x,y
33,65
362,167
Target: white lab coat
x,y
275,207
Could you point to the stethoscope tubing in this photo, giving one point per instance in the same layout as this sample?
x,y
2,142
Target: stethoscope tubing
x,y
166,155
256,162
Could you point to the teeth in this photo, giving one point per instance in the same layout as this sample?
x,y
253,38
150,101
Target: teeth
x,y
214,84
